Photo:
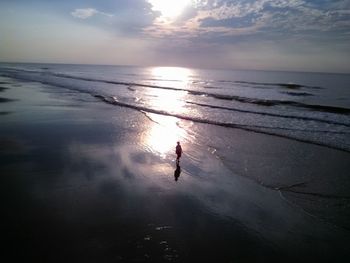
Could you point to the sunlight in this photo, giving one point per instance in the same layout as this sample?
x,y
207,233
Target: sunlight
x,y
175,77
170,100
167,100
172,73
169,8
165,132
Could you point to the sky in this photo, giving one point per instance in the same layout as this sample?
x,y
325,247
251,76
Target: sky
x,y
294,35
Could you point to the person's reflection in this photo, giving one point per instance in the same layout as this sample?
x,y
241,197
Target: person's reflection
x,y
177,172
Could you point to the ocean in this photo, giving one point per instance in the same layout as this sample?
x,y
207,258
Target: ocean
x,y
89,174
308,107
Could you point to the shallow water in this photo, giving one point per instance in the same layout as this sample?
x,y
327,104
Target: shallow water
x,y
308,107
97,182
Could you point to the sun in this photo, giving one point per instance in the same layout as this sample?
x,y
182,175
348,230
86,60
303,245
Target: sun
x,y
169,8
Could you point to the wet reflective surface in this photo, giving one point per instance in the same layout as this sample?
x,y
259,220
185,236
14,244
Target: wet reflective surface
x,y
84,183
162,136
166,76
165,130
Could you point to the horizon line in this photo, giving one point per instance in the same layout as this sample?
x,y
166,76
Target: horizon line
x,y
177,66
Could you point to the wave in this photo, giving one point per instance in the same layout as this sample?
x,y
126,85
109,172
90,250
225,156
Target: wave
x,y
297,93
3,100
261,102
294,134
281,85
252,128
22,70
2,113
130,85
328,196
3,89
270,114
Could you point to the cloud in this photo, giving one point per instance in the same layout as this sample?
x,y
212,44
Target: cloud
x,y
256,33
274,19
235,22
123,17
217,33
85,13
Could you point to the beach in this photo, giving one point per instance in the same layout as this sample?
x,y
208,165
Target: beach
x,y
86,181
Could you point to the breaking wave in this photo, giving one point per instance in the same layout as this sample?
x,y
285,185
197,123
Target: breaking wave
x,y
228,97
328,129
254,128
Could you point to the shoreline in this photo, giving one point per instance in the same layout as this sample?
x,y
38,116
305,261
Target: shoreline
x,y
80,175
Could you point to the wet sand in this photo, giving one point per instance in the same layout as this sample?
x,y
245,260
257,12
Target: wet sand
x,y
81,181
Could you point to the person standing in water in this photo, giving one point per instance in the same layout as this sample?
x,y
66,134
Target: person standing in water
x,y
178,152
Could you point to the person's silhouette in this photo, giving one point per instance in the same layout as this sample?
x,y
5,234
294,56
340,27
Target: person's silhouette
x,y
177,172
178,151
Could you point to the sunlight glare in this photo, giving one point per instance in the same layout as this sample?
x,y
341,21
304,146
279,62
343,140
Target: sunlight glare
x,y
169,8
165,132
172,73
170,100
163,135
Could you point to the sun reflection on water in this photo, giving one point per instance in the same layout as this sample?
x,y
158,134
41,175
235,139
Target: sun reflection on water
x,y
169,101
172,73
162,136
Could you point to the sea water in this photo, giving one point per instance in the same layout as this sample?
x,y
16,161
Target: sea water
x,y
76,159
308,107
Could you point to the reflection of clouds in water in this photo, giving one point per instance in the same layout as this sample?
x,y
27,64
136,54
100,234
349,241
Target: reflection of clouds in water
x,y
214,187
126,164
